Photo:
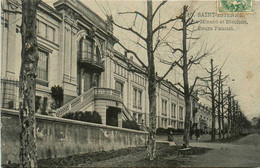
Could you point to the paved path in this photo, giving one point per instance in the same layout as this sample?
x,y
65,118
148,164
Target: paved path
x,y
244,152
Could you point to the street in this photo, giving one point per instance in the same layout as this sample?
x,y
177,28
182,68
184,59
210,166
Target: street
x,y
244,152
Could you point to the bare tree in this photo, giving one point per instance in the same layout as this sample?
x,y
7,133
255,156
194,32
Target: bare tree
x,y
223,101
209,92
27,86
229,113
28,73
148,69
186,61
220,104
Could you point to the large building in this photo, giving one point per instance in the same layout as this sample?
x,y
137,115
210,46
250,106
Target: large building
x,y
76,52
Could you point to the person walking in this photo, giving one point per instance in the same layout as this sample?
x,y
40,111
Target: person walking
x,y
197,134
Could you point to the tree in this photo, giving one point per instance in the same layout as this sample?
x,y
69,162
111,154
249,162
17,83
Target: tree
x,y
149,70
186,61
220,104
210,84
229,113
28,73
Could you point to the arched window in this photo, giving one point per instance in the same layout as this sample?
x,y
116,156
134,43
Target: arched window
x,y
86,49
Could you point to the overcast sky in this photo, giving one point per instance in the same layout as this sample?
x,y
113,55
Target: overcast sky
x,y
240,47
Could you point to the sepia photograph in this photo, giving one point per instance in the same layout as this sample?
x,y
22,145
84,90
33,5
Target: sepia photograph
x,y
130,83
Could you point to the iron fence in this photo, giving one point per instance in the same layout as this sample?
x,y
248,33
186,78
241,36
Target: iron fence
x,y
9,93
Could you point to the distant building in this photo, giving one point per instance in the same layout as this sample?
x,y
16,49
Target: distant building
x,y
203,118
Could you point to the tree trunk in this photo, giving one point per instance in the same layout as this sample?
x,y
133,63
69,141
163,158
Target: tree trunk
x,y
233,117
186,80
219,120
212,102
152,83
28,73
222,111
229,113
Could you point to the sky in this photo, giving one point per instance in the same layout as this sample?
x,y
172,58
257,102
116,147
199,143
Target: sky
x,y
235,51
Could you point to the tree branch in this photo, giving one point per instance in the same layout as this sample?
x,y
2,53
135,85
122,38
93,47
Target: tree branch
x,y
171,67
131,30
129,65
156,45
191,23
179,85
177,29
192,87
158,7
170,63
134,12
162,25
174,50
132,52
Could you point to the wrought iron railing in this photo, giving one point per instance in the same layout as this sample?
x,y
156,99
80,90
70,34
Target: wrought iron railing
x,y
93,61
9,94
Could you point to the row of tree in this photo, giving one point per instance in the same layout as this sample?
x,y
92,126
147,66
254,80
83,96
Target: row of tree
x,y
231,119
225,105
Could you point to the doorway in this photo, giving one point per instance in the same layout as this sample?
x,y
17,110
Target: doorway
x,y
112,116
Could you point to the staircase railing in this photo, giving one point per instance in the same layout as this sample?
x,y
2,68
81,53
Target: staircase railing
x,y
68,106
126,113
65,108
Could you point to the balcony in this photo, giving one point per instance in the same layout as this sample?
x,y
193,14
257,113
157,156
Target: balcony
x,y
91,64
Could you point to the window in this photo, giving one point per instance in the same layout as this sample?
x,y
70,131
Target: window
x,y
137,98
86,49
42,69
50,33
139,118
164,107
119,87
181,113
134,116
42,29
140,99
173,110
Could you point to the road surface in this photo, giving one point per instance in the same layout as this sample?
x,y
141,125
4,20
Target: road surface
x,y
244,152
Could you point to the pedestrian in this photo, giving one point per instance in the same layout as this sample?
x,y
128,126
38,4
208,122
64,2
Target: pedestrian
x,y
191,133
197,133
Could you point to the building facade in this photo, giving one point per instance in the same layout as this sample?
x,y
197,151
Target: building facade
x,y
203,118
76,52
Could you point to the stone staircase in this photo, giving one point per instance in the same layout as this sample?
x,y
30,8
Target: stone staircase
x,y
87,97
77,103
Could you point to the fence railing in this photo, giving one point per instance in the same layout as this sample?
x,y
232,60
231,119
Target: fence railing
x,y
9,94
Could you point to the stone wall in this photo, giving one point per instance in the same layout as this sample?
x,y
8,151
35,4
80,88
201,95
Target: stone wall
x,y
57,137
